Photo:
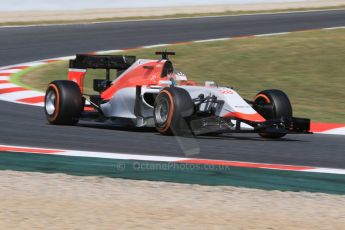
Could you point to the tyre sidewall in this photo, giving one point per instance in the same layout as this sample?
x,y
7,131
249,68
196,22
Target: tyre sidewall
x,y
281,104
165,127
68,103
181,107
281,108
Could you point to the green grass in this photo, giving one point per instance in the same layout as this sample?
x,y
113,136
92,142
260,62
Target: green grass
x,y
308,66
225,13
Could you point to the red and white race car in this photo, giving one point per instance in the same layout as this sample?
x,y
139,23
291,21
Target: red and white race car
x,y
150,93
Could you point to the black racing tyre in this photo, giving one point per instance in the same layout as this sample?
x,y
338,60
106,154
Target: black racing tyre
x,y
63,103
280,108
171,108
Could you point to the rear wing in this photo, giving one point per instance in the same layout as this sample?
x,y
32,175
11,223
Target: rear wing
x,y
82,62
85,61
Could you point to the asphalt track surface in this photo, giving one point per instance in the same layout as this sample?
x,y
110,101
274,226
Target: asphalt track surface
x,y
27,126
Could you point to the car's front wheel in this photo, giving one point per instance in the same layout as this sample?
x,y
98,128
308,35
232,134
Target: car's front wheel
x,y
273,104
63,103
171,108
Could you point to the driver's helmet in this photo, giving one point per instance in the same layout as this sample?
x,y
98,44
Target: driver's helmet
x,y
178,76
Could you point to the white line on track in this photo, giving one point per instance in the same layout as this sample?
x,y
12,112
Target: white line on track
x,y
212,40
109,51
20,95
335,28
155,46
8,85
272,34
10,71
337,131
40,104
327,170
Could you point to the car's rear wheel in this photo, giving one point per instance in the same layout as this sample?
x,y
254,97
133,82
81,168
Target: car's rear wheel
x,y
63,103
273,104
171,108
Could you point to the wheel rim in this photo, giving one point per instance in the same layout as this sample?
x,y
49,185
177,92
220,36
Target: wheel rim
x,y
162,111
50,104
261,101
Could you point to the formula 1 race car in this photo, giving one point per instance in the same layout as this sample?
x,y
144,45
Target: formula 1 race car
x,y
150,93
